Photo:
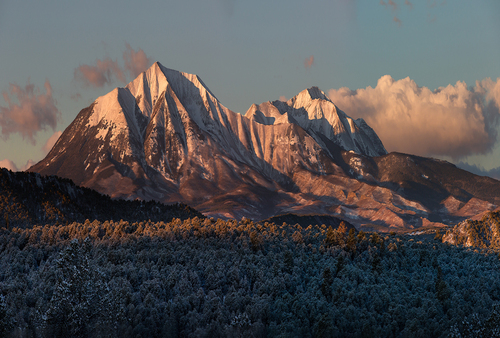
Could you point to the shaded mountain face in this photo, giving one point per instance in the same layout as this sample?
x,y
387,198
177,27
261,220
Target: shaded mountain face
x,y
166,137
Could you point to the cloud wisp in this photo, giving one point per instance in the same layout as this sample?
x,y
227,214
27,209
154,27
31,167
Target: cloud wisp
x,y
135,61
395,9
102,73
309,62
393,5
32,113
6,163
106,71
454,121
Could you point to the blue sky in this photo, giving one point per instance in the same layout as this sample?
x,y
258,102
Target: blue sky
x,y
253,51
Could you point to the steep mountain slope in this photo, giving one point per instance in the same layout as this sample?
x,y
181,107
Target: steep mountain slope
x,y
425,179
166,137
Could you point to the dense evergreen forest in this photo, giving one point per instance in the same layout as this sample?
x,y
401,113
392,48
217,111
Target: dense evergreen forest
x,y
213,278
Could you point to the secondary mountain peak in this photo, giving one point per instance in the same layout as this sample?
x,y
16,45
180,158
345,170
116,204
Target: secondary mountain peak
x,y
330,127
166,137
307,95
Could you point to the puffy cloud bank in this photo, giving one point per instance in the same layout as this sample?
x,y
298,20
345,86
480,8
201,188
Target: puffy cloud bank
x,y
33,111
454,121
106,71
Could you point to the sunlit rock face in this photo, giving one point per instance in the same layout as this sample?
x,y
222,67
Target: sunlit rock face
x,y
166,137
313,111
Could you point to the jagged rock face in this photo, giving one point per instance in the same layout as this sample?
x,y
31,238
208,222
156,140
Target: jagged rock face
x,y
166,137
314,112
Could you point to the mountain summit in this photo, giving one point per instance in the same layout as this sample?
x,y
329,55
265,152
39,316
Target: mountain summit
x,y
330,127
166,137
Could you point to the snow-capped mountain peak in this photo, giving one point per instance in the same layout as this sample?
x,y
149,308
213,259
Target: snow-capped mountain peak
x,y
165,136
312,110
306,96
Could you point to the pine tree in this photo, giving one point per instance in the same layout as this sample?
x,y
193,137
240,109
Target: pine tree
x,y
330,237
351,241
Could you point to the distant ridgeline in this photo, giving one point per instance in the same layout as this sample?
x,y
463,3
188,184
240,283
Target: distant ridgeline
x,y
27,199
484,233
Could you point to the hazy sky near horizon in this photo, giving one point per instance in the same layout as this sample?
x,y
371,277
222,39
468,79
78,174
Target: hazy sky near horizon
x,y
424,74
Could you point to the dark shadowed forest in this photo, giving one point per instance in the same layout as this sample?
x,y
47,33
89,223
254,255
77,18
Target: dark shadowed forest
x,y
27,199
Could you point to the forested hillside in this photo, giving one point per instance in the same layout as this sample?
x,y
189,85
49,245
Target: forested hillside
x,y
483,233
29,198
214,278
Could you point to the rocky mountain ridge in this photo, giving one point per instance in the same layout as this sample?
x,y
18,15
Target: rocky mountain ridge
x,y
166,137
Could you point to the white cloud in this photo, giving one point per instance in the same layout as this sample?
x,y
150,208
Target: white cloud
x,y
6,163
28,165
51,141
454,121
